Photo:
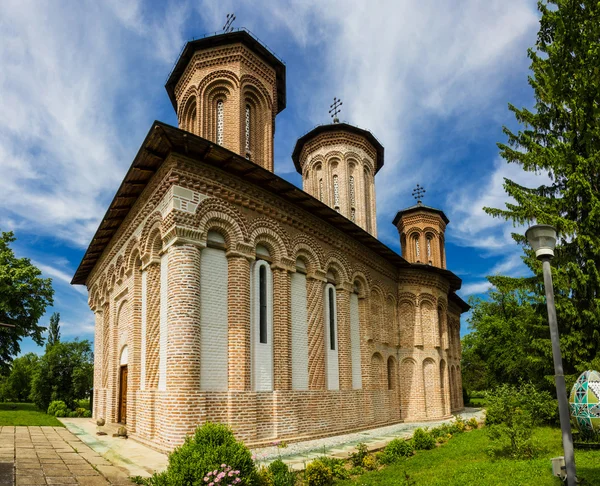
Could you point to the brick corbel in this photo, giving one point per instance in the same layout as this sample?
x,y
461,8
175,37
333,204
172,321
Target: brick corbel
x,y
148,260
317,275
243,250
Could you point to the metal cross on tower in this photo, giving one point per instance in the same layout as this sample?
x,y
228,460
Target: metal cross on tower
x,y
418,193
335,109
229,20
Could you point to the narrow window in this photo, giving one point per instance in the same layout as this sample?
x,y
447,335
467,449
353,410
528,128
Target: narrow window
x,y
367,201
417,249
248,121
429,249
220,122
331,320
336,193
262,277
352,194
320,189
353,215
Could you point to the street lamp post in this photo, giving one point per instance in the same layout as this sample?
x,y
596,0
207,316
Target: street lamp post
x,y
542,239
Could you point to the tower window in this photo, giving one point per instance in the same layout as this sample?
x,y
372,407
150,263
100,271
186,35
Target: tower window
x,y
417,248
220,121
248,120
262,284
352,197
353,214
429,249
320,189
336,192
331,320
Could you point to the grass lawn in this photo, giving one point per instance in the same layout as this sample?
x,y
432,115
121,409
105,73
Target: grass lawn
x,y
25,414
463,461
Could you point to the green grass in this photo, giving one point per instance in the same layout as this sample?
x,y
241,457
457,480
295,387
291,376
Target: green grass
x,y
463,461
25,414
477,402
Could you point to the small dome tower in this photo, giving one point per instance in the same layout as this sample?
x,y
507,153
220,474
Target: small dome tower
x,y
228,88
421,230
338,163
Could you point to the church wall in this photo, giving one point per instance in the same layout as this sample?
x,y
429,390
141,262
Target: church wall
x,y
396,311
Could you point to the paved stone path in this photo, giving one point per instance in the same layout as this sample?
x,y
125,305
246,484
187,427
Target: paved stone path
x,y
298,454
52,455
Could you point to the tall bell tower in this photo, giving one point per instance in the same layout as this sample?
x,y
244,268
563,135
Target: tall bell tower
x,y
338,163
228,88
421,229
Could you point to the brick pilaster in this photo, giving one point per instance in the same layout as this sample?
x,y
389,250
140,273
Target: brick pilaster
x,y
282,329
344,342
316,332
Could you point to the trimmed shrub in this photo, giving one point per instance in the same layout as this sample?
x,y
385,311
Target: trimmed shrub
x,y
370,462
337,467
318,474
282,475
73,414
87,413
58,406
358,456
210,447
422,440
395,450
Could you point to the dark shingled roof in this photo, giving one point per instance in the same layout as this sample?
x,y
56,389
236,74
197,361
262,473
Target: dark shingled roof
x,y
418,207
335,127
164,139
242,36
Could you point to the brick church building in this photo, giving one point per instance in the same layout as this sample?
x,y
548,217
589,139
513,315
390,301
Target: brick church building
x,y
224,293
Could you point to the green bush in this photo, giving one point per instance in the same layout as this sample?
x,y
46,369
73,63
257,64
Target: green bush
x,y
72,414
337,467
58,406
370,462
206,450
87,413
358,456
422,440
472,423
318,474
264,477
395,450
511,415
79,412
282,475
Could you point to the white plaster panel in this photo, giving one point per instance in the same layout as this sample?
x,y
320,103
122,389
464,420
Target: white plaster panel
x,y
143,343
213,320
299,333
355,342
163,329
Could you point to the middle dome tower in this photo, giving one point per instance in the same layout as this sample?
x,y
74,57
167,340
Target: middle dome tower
x,y
338,163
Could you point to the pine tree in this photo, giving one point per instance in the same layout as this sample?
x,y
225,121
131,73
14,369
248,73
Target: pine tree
x,y
561,137
54,329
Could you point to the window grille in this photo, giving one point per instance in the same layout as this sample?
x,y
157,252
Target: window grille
x,y
220,122
247,129
417,249
352,197
353,215
429,248
320,189
336,192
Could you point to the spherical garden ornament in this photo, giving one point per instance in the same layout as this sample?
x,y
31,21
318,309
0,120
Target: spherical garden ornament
x,y
585,402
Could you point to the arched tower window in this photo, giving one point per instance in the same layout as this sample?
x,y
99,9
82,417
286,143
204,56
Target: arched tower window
x,y
429,255
352,198
220,121
367,191
336,193
417,248
248,121
321,189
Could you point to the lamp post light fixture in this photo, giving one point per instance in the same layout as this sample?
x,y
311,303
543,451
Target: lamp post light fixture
x,y
542,238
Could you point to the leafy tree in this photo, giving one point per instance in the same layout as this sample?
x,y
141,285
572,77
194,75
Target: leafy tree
x,y
53,329
561,137
24,297
16,387
65,372
509,340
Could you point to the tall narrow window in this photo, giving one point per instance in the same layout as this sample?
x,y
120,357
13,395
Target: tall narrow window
x,y
336,192
331,321
263,304
429,249
352,198
320,189
367,201
248,121
220,122
417,249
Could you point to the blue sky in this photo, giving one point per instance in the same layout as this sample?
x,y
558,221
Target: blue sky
x,y
82,81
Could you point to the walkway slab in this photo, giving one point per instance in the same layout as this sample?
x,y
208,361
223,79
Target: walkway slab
x,y
298,454
49,455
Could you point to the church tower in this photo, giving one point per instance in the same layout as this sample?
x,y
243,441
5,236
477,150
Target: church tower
x,y
421,229
338,163
228,88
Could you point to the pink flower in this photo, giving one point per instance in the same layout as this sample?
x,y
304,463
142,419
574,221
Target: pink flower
x,y
223,465
221,475
211,484
206,479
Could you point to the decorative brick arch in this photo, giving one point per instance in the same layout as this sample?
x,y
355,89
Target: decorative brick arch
x,y
183,99
378,378
411,383
377,307
302,246
364,287
431,387
337,262
153,223
110,277
219,215
392,373
249,81
391,320
267,232
220,85
407,317
132,253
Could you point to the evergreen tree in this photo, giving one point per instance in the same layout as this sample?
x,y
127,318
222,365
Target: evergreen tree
x,y
561,137
54,329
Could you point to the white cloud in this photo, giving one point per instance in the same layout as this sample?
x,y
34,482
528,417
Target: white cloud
x,y
474,288
60,275
66,98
